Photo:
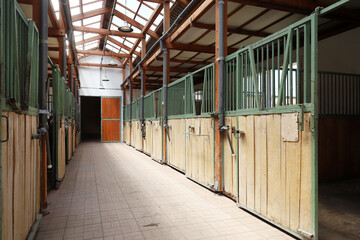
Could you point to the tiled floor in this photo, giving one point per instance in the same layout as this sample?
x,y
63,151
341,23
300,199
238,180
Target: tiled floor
x,y
112,191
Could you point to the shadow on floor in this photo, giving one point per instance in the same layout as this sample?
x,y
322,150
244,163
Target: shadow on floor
x,y
339,210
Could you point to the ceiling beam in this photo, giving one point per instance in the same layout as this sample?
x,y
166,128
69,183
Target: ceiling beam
x,y
105,32
122,45
98,65
174,69
135,24
89,14
88,40
101,53
200,11
304,7
241,31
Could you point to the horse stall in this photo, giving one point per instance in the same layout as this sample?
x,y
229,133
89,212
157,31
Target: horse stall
x,y
20,141
126,124
339,146
57,129
269,138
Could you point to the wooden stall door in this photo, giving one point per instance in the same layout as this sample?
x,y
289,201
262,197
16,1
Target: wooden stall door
x,y
110,119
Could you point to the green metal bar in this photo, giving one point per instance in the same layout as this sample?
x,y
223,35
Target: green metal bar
x,y
273,72
332,7
297,66
285,66
255,83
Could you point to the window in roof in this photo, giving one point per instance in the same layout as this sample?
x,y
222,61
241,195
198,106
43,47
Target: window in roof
x,y
151,4
80,47
78,38
129,12
91,46
77,33
90,20
94,25
145,11
111,48
92,6
90,35
140,20
147,37
128,44
74,3
75,11
77,23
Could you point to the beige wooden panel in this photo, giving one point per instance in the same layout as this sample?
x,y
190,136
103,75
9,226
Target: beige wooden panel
x,y
200,150
126,132
276,203
136,138
69,141
230,160
305,184
260,165
176,143
7,177
148,137
61,151
156,141
274,175
19,189
74,137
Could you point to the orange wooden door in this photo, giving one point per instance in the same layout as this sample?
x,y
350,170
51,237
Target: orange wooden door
x,y
110,119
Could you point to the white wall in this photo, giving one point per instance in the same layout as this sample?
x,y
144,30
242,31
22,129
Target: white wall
x,y
340,53
90,78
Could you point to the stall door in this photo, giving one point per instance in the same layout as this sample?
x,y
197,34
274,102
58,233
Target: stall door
x,y
110,119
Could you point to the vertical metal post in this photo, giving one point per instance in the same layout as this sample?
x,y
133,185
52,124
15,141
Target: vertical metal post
x,y
165,79
221,60
43,72
72,79
142,102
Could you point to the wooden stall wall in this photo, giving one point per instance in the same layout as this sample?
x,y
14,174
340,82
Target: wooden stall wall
x,y
156,135
230,161
61,151
73,137
176,143
69,140
339,148
21,175
200,150
136,139
275,175
126,129
148,138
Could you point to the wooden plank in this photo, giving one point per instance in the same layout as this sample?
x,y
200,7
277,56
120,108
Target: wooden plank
x,y
176,144
7,178
61,151
208,128
260,165
18,197
243,146
110,130
293,174
305,187
275,203
110,108
250,163
28,173
228,162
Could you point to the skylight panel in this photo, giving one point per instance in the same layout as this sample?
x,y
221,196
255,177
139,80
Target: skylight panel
x,y
92,6
117,21
91,43
78,38
92,20
152,4
56,5
77,33
158,20
133,5
153,27
128,44
117,38
111,48
140,20
91,46
77,23
147,37
145,11
75,11
90,35
94,25
74,3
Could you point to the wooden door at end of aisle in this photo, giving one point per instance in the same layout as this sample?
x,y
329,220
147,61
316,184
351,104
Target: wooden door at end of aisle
x,y
110,119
